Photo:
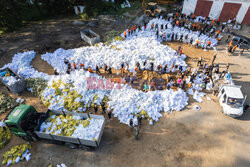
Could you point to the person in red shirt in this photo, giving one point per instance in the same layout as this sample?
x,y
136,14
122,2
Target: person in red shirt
x,y
180,52
125,34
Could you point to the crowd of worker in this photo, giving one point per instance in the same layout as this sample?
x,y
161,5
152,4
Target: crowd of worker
x,y
178,76
210,29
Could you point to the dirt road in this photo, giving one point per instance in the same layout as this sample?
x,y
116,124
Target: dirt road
x,y
185,138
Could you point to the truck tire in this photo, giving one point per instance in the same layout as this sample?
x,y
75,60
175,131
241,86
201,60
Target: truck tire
x,y
86,148
70,145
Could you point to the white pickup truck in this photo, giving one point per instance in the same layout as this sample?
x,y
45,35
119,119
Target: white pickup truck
x,y
231,99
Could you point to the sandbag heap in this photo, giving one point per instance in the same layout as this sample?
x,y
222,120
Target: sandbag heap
x,y
16,154
21,65
72,126
5,134
6,103
71,92
143,46
127,103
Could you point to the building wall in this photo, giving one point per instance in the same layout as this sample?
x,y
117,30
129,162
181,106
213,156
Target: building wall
x,y
190,6
246,19
203,8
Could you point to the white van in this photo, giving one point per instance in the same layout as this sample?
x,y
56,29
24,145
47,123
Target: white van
x,y
231,99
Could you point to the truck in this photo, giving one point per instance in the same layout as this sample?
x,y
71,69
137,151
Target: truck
x,y
231,99
242,41
25,122
16,87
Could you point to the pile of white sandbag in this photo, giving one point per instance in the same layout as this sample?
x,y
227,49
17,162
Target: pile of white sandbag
x,y
128,102
11,80
143,46
21,65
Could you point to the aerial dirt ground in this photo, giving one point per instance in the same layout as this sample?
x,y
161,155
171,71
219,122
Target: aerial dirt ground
x,y
184,138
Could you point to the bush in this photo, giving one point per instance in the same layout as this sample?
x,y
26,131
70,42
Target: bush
x,y
111,35
84,16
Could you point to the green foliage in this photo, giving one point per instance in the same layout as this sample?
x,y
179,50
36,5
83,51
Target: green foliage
x,y
84,16
111,35
37,85
16,13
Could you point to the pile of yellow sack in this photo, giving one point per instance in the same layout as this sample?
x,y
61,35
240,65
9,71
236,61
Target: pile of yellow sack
x,y
65,97
5,135
66,126
16,154
66,93
144,114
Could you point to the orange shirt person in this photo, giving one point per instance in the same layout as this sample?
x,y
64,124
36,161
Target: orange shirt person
x,y
81,65
213,21
230,44
218,32
125,33
74,65
90,70
234,48
208,43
